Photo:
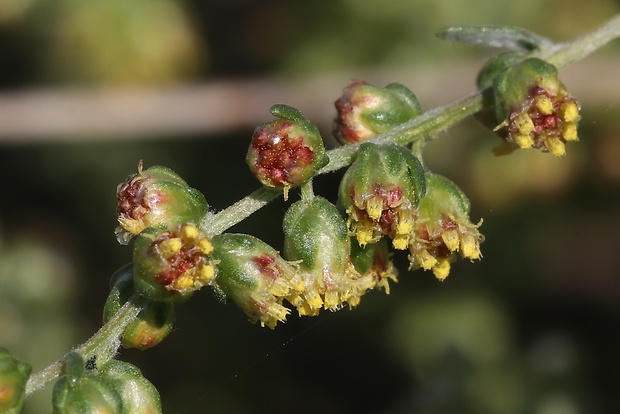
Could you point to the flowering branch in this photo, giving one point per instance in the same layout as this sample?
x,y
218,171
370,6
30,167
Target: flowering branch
x,y
181,257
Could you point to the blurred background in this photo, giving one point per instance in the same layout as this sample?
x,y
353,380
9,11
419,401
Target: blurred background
x,y
87,89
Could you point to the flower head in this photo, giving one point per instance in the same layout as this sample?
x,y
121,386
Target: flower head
x,y
81,390
156,197
254,276
364,110
286,152
137,394
169,265
443,228
153,323
534,108
13,377
380,193
315,237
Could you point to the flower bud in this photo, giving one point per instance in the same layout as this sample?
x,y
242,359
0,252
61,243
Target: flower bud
x,y
380,192
82,391
443,228
374,261
286,152
534,108
13,377
169,265
153,323
137,394
156,197
316,236
254,276
364,110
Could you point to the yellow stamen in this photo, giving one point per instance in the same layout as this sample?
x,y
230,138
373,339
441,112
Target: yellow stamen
x,y
442,269
279,288
170,247
364,234
184,282
543,104
451,239
206,273
555,146
401,241
189,232
469,247
205,246
426,260
524,124
569,111
569,131
374,207
524,141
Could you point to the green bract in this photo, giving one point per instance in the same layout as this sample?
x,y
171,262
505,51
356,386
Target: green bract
x,y
365,110
156,197
380,192
254,276
13,377
83,391
137,394
286,152
153,323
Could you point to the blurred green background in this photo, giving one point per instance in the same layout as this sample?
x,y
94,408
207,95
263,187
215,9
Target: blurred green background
x,y
532,328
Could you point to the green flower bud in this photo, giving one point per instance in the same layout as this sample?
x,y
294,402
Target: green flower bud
x,y
254,276
364,110
286,152
138,395
443,228
83,391
380,193
169,265
153,323
374,261
316,236
534,108
156,197
13,377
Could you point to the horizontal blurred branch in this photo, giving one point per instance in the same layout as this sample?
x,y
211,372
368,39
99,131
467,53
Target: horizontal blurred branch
x,y
29,116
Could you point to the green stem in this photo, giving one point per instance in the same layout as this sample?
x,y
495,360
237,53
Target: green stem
x,y
103,344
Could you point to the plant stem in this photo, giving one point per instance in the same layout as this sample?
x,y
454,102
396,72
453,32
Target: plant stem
x,y
103,344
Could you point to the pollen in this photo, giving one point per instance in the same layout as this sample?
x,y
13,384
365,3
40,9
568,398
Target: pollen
x,y
170,247
569,111
207,272
569,132
555,146
182,283
189,232
426,260
524,124
442,269
524,141
205,246
543,104
469,247
364,234
451,239
401,241
374,207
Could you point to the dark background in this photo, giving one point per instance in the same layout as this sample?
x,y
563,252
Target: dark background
x,y
531,328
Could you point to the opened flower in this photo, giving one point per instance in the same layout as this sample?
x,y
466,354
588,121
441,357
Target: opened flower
x,y
380,193
443,228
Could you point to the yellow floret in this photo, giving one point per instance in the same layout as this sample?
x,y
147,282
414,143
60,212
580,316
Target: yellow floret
x,y
189,231
555,146
569,111
374,207
569,131
170,247
543,104
451,239
442,269
205,246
